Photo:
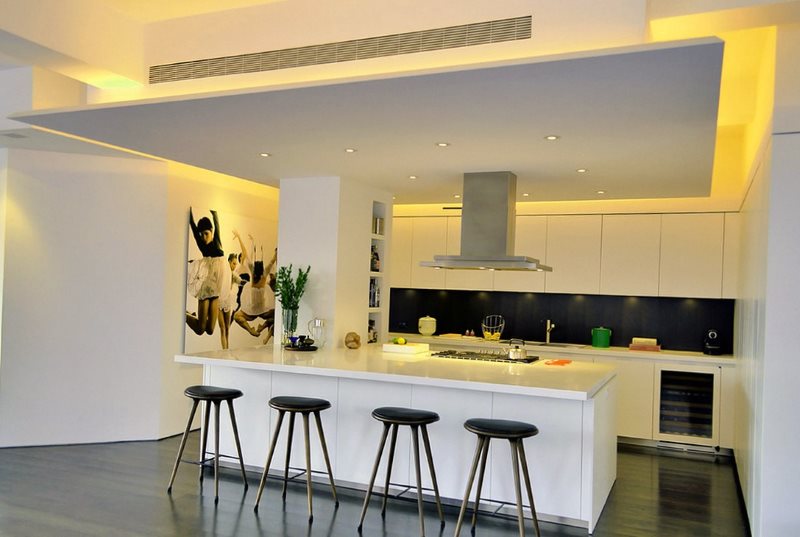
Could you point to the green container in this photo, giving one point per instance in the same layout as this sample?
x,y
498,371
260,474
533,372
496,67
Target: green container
x,y
601,337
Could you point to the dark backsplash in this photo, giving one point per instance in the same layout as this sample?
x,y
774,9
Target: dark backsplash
x,y
677,323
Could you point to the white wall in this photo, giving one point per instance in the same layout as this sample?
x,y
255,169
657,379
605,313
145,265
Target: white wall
x,y
3,183
82,291
749,342
780,436
94,293
767,315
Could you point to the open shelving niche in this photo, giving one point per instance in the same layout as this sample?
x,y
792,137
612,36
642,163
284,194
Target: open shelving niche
x,y
379,293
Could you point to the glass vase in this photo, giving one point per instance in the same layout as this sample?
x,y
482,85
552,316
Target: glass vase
x,y
289,322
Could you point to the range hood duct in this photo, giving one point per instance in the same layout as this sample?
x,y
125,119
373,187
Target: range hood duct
x,y
487,227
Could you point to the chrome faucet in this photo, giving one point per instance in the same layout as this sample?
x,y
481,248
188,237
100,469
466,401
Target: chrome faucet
x,y
548,328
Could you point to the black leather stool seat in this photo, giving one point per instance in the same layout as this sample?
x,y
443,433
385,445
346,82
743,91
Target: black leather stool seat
x,y
500,428
289,403
404,416
212,393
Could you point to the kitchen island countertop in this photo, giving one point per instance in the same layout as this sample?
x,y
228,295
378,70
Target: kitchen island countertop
x,y
575,380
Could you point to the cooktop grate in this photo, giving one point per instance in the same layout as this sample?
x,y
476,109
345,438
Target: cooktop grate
x,y
482,356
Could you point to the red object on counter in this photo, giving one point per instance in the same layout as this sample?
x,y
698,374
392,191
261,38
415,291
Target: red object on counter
x,y
561,361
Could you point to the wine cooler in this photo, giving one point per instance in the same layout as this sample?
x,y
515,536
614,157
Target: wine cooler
x,y
687,404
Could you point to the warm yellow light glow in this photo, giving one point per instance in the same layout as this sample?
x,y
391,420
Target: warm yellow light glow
x,y
746,92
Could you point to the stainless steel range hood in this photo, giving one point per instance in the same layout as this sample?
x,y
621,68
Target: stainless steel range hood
x,y
487,227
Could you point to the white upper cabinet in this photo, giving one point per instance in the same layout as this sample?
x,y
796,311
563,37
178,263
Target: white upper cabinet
x,y
631,251
530,239
429,238
400,252
691,255
480,280
730,259
573,250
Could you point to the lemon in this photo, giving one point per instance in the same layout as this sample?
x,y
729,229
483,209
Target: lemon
x,y
401,341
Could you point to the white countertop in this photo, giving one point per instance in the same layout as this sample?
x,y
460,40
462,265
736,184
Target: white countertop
x,y
573,351
576,380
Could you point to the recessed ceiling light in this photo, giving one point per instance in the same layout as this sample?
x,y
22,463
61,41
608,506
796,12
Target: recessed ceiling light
x,y
350,150
412,176
265,154
525,195
581,170
601,191
442,144
552,137
394,197
456,196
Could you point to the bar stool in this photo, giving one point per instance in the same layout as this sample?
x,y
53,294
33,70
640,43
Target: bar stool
x,y
215,395
514,432
393,417
305,406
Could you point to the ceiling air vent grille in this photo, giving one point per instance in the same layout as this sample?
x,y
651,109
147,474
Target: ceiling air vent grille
x,y
466,35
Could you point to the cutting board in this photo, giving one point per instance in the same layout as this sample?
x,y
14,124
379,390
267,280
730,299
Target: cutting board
x,y
408,348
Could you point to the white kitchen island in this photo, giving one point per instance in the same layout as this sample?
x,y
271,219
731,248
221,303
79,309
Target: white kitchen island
x,y
572,459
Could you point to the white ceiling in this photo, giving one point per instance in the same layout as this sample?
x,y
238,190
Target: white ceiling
x,y
149,11
642,122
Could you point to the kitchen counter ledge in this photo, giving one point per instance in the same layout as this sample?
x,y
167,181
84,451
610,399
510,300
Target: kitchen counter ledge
x,y
577,352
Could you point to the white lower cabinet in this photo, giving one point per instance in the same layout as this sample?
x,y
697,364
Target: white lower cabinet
x,y
305,386
452,446
254,417
360,434
634,396
727,413
555,467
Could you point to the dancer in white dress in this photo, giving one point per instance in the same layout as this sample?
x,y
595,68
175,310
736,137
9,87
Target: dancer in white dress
x,y
258,299
228,306
209,277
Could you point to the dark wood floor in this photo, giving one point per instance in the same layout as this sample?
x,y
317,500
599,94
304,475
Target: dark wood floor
x,y
120,490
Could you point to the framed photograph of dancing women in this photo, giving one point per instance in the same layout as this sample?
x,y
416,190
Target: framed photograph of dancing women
x,y
230,277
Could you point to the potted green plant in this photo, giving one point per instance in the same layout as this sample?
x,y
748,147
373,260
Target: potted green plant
x,y
288,291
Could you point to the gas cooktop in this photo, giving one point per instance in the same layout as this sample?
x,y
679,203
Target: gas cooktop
x,y
484,356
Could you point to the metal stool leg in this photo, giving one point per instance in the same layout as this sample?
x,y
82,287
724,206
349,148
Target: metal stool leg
x,y
479,488
195,402
308,468
238,444
288,453
517,491
415,439
427,443
269,458
470,479
375,466
204,441
389,464
216,451
325,456
524,462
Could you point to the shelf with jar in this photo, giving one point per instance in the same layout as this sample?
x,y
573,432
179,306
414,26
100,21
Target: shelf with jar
x,y
376,306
